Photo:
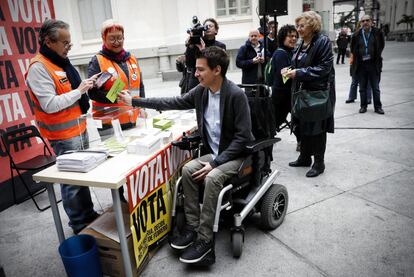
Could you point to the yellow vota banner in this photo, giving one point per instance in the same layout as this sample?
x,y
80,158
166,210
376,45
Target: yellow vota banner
x,y
149,198
150,222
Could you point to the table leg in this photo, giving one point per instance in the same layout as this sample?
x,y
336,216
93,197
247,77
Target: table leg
x,y
121,232
55,211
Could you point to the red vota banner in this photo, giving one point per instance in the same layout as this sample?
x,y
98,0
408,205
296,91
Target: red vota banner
x,y
20,22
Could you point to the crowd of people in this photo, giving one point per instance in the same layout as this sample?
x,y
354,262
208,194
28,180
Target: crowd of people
x,y
302,65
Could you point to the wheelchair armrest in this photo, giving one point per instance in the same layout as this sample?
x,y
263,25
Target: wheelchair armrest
x,y
188,142
258,145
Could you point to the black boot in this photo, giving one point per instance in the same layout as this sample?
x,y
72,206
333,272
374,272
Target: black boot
x,y
301,161
318,167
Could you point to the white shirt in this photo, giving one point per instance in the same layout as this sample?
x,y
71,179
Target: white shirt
x,y
212,121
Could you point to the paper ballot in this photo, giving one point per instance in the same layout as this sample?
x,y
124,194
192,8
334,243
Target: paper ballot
x,y
82,161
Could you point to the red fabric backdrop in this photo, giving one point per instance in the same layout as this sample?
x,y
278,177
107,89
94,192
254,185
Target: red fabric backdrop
x,y
20,22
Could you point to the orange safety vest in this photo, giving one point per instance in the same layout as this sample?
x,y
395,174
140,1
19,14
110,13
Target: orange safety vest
x,y
125,114
64,124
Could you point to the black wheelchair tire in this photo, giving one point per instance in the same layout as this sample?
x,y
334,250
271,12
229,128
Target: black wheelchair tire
x,y
237,239
274,206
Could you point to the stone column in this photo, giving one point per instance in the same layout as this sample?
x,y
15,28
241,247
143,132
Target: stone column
x,y
164,59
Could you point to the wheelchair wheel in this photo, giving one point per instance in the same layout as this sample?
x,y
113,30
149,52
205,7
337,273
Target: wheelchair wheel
x,y
237,239
274,206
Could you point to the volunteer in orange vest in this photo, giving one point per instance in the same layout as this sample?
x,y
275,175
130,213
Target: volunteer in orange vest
x,y
122,65
59,98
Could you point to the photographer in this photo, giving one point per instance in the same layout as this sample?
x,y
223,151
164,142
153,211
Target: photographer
x,y
207,37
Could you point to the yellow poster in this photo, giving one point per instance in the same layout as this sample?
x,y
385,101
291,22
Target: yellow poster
x,y
149,198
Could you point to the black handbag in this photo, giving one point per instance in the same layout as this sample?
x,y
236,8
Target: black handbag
x,y
310,105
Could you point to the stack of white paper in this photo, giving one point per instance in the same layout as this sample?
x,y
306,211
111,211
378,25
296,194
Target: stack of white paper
x,y
82,161
145,146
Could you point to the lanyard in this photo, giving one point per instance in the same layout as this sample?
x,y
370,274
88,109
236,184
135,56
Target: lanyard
x,y
366,40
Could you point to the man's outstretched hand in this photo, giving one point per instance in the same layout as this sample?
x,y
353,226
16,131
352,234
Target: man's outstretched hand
x,y
124,97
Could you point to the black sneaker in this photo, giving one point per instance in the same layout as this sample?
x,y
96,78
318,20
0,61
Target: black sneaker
x,y
197,251
184,239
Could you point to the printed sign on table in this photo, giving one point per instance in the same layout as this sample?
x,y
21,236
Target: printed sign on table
x,y
149,196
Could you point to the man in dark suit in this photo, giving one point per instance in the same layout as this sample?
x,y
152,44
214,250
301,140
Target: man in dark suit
x,y
223,119
366,47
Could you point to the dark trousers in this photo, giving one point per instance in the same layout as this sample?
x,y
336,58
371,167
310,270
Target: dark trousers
x,y
368,73
281,103
354,89
313,146
341,53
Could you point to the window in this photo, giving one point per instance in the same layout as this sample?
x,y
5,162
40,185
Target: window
x,y
308,5
233,7
92,13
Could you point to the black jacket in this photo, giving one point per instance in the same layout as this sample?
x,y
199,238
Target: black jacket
x,y
236,129
244,60
376,53
342,41
319,75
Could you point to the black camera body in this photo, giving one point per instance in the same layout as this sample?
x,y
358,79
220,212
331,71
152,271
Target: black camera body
x,y
196,31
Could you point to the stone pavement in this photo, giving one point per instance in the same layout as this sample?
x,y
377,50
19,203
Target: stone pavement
x,y
356,219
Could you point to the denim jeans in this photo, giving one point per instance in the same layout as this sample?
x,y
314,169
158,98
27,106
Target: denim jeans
x,y
354,88
367,73
76,200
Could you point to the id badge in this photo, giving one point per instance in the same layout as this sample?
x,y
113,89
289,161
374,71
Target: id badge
x,y
366,57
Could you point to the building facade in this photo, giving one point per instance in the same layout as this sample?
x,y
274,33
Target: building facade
x,y
155,31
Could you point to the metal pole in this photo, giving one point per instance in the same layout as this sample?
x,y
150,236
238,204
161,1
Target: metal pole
x,y
55,211
121,232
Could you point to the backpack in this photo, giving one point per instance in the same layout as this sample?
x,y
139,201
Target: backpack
x,y
268,73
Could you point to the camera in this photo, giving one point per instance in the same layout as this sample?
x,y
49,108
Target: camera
x,y
196,31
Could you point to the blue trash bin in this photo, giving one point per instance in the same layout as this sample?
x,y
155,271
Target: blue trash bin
x,y
80,256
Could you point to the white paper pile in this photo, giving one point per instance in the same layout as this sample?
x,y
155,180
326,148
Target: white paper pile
x,y
82,161
145,145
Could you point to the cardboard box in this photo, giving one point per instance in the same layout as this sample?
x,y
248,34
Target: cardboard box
x,y
105,232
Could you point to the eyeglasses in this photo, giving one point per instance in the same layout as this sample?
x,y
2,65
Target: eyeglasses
x,y
66,44
115,39
365,20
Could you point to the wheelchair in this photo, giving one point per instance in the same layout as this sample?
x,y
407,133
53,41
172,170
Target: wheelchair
x,y
253,189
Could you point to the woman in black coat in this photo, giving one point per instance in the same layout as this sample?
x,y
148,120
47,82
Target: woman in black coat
x,y
282,57
313,69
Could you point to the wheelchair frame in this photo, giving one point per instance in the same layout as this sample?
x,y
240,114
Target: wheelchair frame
x,y
267,189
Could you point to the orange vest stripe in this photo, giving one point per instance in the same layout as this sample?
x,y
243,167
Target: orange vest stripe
x,y
64,124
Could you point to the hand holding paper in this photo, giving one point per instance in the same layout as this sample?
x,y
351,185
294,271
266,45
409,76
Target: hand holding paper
x,y
125,97
115,89
287,73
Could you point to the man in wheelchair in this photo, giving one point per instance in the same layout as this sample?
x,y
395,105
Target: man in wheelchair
x,y
224,124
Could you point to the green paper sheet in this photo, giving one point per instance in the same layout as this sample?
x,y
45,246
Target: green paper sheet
x,y
115,89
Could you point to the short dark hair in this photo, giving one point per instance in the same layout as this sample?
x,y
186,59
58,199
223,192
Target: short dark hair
x,y
215,56
284,32
214,22
50,29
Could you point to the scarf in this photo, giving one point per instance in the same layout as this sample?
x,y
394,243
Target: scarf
x,y
71,73
116,57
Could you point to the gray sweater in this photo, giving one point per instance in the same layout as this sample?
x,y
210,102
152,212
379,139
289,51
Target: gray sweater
x,y
236,129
